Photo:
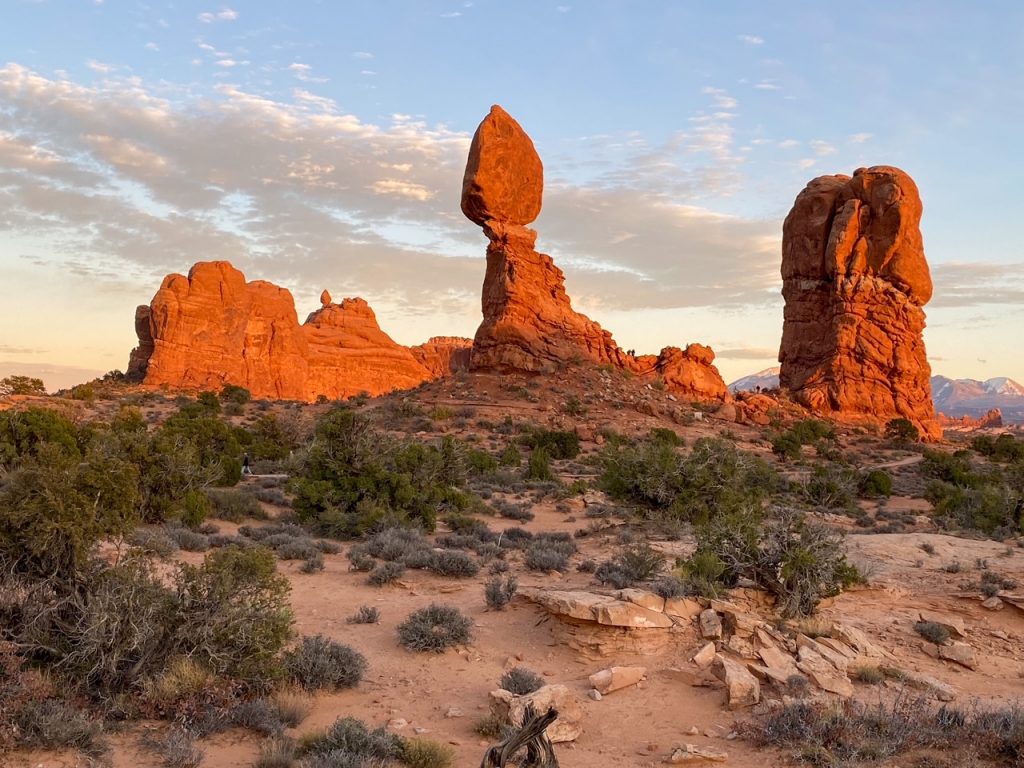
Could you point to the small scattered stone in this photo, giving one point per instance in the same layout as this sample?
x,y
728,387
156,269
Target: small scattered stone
x,y
993,603
454,712
710,625
691,753
595,694
397,724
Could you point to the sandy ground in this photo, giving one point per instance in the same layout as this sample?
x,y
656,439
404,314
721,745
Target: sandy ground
x,y
441,696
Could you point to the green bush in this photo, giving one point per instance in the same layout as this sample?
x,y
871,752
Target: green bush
x,y
1004,448
234,505
24,433
55,509
539,466
351,740
799,561
234,612
511,456
902,431
875,483
558,444
354,479
21,385
434,628
320,663
714,478
232,393
425,753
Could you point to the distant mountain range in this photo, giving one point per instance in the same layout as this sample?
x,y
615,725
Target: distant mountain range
x,y
953,397
969,397
766,379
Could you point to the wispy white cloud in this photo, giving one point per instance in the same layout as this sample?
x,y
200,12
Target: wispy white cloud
x,y
768,85
788,143
224,14
99,66
362,55
807,162
859,138
751,39
151,46
822,148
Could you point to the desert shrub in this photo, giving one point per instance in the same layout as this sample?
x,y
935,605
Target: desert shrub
x,y
665,435
176,748
313,562
831,487
542,556
788,443
875,483
234,505
385,573
869,675
703,573
511,456
24,432
348,735
57,724
232,393
670,586
799,561
851,733
292,705
498,593
434,628
452,562
187,539
521,681
932,632
1004,448
515,538
153,541
234,612
557,444
353,479
425,753
394,544
258,715
480,462
634,564
902,431
538,467
365,615
714,478
992,507
278,752
318,662
55,508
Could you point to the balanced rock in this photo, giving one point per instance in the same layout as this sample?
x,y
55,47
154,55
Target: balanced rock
x,y
504,178
855,280
529,324
213,328
325,298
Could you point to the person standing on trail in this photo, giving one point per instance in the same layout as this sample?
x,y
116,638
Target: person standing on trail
x,y
245,464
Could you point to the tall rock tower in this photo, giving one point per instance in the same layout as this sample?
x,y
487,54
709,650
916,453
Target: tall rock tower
x,y
855,279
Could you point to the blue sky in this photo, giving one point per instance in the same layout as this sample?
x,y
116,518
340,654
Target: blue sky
x,y
321,144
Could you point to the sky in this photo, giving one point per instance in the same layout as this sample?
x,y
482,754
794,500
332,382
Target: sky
x,y
322,145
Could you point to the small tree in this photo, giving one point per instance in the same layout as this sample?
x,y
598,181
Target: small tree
x,y
21,385
902,431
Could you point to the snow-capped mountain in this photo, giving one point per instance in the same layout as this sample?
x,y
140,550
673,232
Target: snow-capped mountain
x,y
766,379
970,397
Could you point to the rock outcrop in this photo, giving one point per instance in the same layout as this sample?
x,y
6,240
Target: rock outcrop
x,y
213,328
855,280
443,355
529,324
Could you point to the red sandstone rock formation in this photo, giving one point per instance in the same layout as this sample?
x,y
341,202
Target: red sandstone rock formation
x,y
213,328
443,355
855,280
529,323
991,418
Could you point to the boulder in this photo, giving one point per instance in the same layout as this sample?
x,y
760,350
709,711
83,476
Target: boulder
x,y
616,678
953,624
960,653
741,687
823,673
710,625
705,656
855,280
511,709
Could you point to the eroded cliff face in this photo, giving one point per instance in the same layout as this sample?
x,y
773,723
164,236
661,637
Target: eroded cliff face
x,y
855,280
528,323
213,328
